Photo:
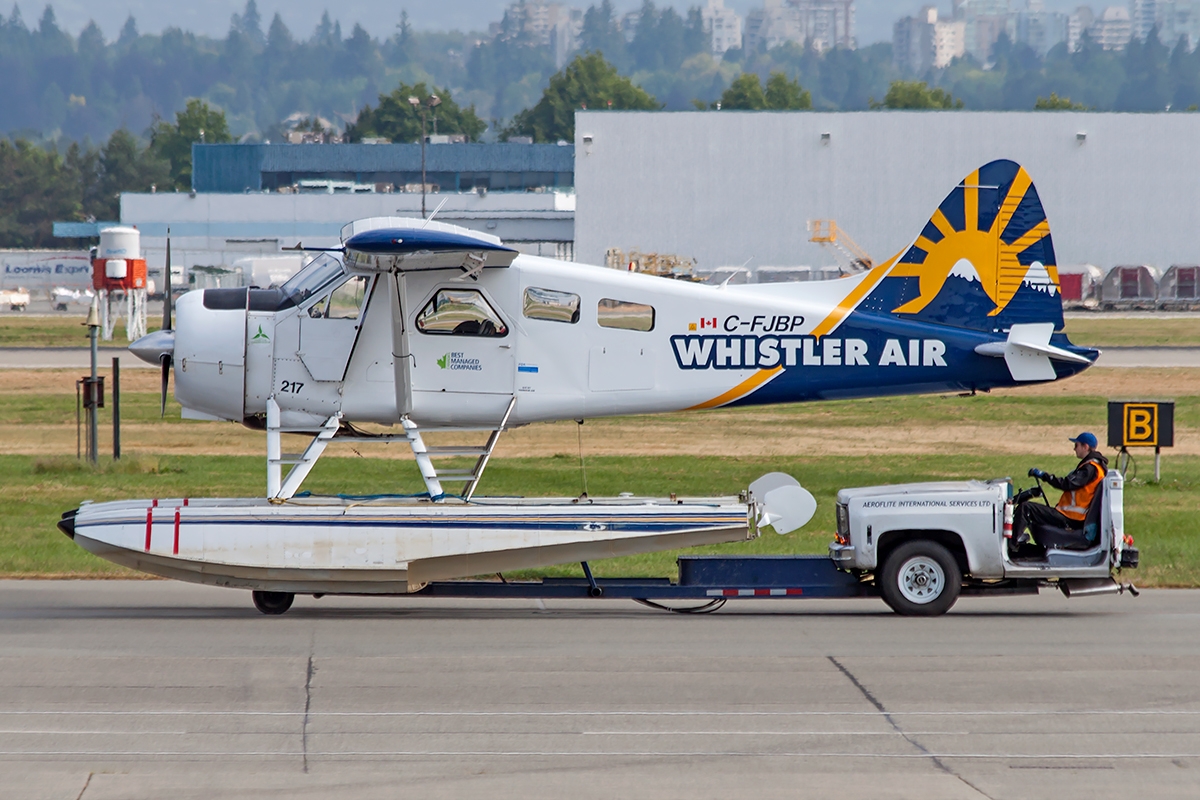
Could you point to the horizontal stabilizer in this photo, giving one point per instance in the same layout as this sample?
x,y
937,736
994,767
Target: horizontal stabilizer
x,y
415,249
1028,352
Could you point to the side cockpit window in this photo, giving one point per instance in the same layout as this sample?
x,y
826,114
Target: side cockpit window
x,y
460,312
551,305
345,302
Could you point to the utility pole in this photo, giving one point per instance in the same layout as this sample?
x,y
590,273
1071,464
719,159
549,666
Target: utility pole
x,y
116,412
430,103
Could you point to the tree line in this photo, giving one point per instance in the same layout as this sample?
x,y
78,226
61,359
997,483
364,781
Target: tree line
x,y
40,185
73,88
252,79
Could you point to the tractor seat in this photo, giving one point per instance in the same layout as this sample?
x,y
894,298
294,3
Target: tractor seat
x,y
1062,538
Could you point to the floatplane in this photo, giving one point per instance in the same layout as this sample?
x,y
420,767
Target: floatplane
x,y
429,327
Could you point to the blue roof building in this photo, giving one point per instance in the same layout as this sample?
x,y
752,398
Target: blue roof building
x,y
501,167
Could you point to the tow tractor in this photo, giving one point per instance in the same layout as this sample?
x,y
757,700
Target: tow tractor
x,y
917,546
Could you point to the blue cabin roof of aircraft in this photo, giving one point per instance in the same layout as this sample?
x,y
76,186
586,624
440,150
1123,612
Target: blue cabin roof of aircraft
x,y
415,244
398,241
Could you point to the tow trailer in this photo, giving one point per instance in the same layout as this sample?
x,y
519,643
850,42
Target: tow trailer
x,y
711,580
917,546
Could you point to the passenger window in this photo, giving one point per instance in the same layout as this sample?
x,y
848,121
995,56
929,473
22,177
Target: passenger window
x,y
624,314
551,305
460,312
344,303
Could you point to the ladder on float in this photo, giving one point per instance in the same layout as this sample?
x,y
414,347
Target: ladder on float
x,y
280,488
425,454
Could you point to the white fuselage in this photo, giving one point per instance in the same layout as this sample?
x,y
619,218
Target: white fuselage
x,y
229,361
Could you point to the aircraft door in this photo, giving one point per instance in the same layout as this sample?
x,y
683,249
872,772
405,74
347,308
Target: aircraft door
x,y
329,327
461,340
260,352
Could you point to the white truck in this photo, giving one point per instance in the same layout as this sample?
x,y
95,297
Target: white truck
x,y
15,299
920,545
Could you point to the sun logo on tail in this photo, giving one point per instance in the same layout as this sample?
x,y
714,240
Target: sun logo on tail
x,y
991,228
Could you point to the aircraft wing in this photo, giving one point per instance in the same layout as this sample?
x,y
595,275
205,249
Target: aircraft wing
x,y
418,249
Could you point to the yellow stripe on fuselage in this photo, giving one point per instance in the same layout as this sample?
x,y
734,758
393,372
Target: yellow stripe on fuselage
x,y
741,390
855,296
827,325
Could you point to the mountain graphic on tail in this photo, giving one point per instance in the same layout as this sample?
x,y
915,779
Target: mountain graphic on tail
x,y
985,260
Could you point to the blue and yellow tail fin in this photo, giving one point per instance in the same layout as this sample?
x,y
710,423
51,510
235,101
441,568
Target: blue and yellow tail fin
x,y
985,260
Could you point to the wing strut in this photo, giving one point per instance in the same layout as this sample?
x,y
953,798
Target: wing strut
x,y
401,356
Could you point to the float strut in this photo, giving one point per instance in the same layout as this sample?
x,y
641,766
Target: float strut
x,y
593,589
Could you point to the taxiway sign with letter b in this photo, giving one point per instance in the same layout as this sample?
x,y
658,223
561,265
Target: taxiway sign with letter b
x,y
1141,423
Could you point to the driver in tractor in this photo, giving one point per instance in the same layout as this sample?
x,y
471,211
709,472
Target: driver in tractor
x,y
1079,489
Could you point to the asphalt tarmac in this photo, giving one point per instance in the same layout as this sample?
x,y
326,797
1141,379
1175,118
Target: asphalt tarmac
x,y
150,689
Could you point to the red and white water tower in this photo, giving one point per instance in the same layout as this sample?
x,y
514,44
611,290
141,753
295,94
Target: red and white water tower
x,y
119,278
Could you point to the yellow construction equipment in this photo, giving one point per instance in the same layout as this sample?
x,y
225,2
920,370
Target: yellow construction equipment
x,y
665,265
851,257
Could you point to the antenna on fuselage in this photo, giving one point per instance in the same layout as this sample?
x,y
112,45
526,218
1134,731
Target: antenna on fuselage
x,y
434,214
725,282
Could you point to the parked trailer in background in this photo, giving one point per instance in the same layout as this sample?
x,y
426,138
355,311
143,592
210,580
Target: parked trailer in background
x,y
1130,286
768,274
1179,289
1080,285
730,276
783,274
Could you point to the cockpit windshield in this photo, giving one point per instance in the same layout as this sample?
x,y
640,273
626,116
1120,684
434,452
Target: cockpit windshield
x,y
321,271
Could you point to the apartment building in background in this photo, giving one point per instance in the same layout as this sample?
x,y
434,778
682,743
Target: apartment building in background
x,y
820,24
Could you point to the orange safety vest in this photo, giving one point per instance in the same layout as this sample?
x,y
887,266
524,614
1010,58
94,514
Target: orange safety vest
x,y
1074,504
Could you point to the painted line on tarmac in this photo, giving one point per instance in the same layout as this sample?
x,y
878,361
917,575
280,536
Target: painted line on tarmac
x,y
1028,713
601,753
509,733
125,733
757,733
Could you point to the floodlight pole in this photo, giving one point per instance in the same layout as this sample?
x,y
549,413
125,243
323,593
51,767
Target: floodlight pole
x,y
422,162
432,101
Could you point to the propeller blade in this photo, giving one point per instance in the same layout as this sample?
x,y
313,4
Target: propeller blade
x,y
165,360
167,324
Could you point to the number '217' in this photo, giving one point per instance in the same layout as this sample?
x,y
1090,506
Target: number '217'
x,y
291,387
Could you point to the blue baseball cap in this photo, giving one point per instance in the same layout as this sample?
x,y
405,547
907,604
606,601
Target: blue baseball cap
x,y
1086,438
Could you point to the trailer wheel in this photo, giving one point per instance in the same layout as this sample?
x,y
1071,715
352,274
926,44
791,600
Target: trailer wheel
x,y
272,603
920,579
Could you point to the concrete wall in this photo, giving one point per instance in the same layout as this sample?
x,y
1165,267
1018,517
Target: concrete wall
x,y
729,186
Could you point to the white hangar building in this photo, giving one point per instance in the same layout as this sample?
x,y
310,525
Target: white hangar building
x,y
725,187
